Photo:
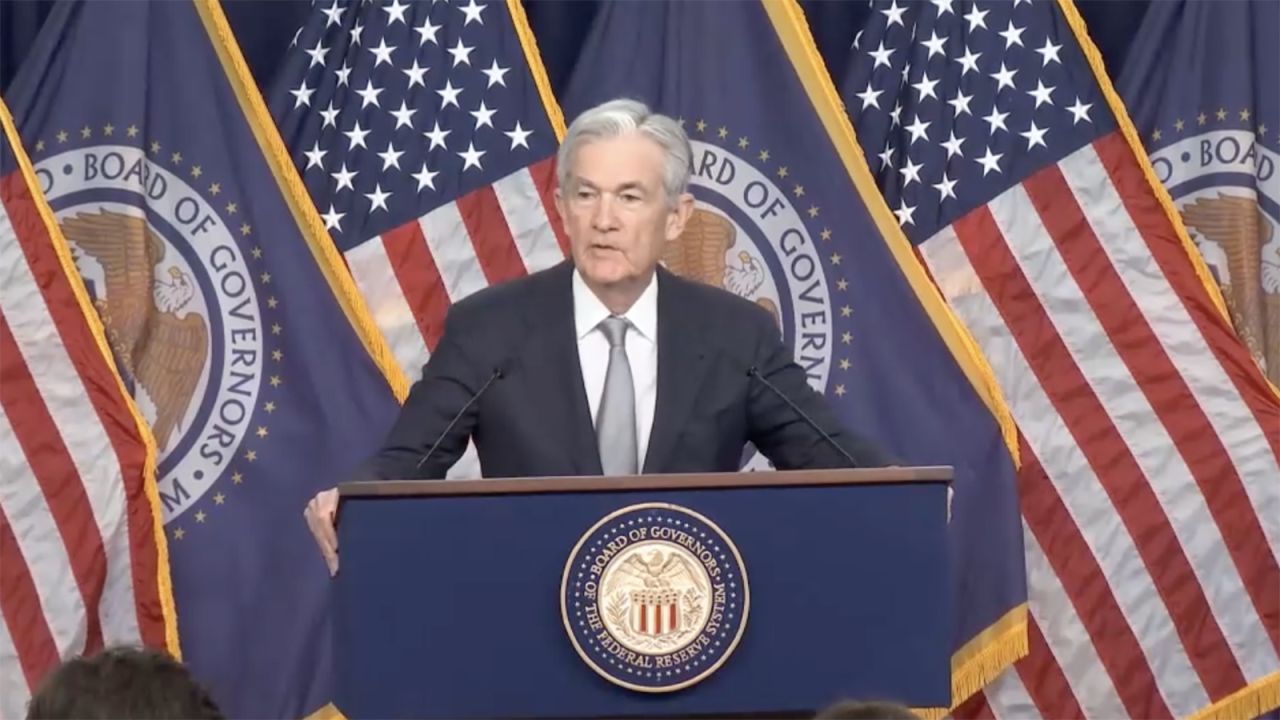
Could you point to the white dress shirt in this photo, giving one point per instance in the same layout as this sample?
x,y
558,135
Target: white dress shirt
x,y
642,352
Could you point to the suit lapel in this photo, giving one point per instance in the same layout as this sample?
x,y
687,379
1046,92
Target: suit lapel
x,y
681,364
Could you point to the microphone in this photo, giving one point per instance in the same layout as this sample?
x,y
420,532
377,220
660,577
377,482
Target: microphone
x,y
755,373
497,373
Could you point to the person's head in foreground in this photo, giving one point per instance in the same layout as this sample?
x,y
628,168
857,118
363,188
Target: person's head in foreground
x,y
122,683
854,710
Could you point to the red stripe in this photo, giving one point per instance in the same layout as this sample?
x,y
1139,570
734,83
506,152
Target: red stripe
x,y
419,279
59,481
975,708
644,618
1163,386
20,606
1044,680
106,396
1095,605
544,178
1149,217
1103,447
490,235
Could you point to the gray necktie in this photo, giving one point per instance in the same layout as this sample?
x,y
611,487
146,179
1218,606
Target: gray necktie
x,y
616,421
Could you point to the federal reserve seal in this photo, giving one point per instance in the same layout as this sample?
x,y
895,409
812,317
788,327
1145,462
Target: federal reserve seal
x,y
654,597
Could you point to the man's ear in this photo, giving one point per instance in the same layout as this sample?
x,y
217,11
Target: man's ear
x,y
679,216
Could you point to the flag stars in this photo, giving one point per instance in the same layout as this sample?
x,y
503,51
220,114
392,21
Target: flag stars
x,y
344,178
1080,111
277,355
449,95
276,329
701,125
764,156
232,208
302,95
39,146
471,157
317,54
85,132
840,391
427,33
377,198
846,311
723,132
200,516
1012,35
270,407
911,172
395,12
969,62
369,95
1222,114
436,135
976,18
265,278
935,44
1003,78
798,191
237,477
333,15
483,116
846,337
382,53
1157,135
825,234
62,137
245,229
176,158
842,284
473,13
390,157
262,431
782,172
519,136
1262,130
1042,94
131,131
743,143
275,381
894,15
496,74
1244,114
461,53
869,97
1179,125
155,146
844,363
315,156
196,171
990,162
215,188
272,302
1201,119
219,499
356,136
426,178
813,211
946,188
836,259
1049,53
109,130
905,213
403,116
881,55
415,73
251,455
179,533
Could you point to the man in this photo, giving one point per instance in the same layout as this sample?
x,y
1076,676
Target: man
x,y
122,682
608,364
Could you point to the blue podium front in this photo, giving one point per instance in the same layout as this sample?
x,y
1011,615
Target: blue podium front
x,y
646,596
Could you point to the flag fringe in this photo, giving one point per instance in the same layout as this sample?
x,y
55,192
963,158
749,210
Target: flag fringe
x,y
988,654
328,712
1255,699
300,204
533,59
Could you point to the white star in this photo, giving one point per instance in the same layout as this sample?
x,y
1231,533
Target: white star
x,y
976,19
886,156
990,162
395,12
427,33
1081,112
449,95
946,188
925,87
857,40
1012,35
495,74
344,178
935,44
344,75
961,103
425,178
317,54
437,136
383,53
461,53
996,120
357,136
881,55
330,116
315,156
1049,53
303,95
519,136
911,172
1034,136
944,6
369,95
1042,94
390,157
294,42
483,115
334,14
953,145
1003,77
969,61
356,32
896,115
869,96
333,219
1016,3
403,116
471,157
472,11
415,74
894,13
917,130
904,213
378,198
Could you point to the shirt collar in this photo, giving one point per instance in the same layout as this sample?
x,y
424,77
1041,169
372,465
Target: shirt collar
x,y
588,311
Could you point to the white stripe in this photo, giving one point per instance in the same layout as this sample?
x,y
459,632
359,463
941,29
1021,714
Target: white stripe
x,y
40,544
1056,617
69,403
1009,699
527,218
14,692
1065,464
1187,348
378,285
453,252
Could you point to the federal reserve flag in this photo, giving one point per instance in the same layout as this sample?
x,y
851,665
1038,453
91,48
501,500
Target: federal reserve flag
x,y
788,217
229,318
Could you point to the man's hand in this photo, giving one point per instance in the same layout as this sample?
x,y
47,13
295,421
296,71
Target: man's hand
x,y
320,514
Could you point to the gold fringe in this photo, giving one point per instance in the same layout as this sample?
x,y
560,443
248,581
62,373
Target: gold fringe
x,y
789,23
539,72
164,582
295,193
1256,698
931,713
1130,133
988,654
328,712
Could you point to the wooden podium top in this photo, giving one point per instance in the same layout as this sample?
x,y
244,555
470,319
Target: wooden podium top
x,y
690,481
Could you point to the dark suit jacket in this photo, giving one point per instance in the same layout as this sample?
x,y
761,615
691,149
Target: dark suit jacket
x,y
534,420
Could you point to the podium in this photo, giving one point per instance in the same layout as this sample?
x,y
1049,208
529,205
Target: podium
x,y
769,593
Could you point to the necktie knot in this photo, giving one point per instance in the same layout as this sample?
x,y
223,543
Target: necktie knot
x,y
615,329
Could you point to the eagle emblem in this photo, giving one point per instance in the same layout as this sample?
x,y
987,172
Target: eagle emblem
x,y
1239,244
701,253
162,348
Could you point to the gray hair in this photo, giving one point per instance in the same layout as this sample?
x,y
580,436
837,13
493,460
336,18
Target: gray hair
x,y
619,117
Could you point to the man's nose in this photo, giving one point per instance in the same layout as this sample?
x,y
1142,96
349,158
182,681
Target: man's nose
x,y
604,218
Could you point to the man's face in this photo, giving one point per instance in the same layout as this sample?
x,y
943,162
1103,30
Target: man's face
x,y
615,210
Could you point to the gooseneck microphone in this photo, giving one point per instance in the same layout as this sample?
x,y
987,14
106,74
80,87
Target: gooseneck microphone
x,y
497,373
755,373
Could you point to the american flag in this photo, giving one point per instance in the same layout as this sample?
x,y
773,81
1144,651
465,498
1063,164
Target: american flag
x,y
1150,487
426,134
82,562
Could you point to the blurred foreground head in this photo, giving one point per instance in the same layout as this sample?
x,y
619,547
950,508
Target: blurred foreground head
x,y
122,683
853,710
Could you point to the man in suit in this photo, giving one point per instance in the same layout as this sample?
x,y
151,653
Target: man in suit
x,y
608,363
